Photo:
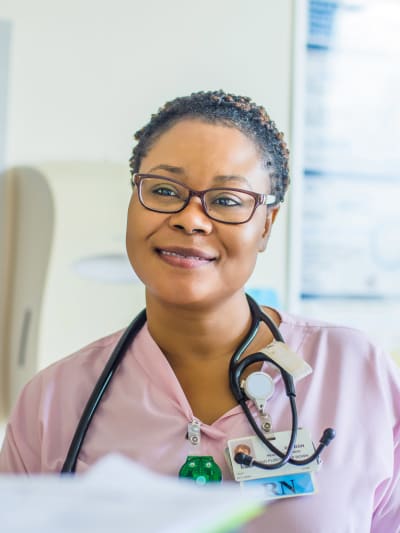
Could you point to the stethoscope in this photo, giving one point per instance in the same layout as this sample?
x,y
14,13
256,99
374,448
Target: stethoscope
x,y
236,369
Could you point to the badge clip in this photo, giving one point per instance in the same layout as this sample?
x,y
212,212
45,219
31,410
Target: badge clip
x,y
194,433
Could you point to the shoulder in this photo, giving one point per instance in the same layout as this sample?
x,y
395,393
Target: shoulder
x,y
294,321
69,379
346,357
81,365
339,349
325,336
43,420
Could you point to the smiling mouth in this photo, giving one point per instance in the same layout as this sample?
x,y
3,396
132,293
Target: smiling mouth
x,y
185,258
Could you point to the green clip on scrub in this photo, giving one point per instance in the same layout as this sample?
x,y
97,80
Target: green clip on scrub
x,y
202,469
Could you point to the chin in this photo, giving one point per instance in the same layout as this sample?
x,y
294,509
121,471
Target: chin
x,y
193,298
180,298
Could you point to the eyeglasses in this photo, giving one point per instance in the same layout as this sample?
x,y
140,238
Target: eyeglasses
x,y
227,205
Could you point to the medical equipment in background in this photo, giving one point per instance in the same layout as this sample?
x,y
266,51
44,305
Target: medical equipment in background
x,y
236,369
64,276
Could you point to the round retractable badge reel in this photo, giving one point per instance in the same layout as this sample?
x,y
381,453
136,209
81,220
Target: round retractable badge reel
x,y
259,387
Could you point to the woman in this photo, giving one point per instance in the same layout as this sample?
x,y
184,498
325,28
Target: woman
x,y
194,252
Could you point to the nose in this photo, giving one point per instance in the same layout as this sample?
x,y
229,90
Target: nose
x,y
192,219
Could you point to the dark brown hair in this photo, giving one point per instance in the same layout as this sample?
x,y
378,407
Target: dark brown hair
x,y
231,110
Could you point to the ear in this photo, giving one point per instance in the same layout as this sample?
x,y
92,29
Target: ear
x,y
270,219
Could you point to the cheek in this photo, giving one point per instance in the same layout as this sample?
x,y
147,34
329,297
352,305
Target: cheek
x,y
140,222
131,223
130,233
137,229
246,241
252,234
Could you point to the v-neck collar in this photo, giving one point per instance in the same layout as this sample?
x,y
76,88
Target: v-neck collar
x,y
156,366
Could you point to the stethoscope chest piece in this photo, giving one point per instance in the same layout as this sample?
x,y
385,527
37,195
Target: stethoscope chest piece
x,y
258,387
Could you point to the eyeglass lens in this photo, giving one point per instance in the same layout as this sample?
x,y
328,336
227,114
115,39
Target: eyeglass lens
x,y
226,205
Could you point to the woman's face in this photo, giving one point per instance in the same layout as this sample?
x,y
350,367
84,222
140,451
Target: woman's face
x,y
186,258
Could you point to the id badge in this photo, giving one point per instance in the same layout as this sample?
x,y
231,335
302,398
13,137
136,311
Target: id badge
x,y
286,486
288,480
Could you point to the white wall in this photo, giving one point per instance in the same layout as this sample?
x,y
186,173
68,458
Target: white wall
x,y
85,74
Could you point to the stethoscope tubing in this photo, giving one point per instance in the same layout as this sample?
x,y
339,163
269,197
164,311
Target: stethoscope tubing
x,y
99,390
236,369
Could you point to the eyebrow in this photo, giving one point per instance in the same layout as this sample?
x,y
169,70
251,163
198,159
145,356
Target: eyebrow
x,y
220,178
231,177
169,168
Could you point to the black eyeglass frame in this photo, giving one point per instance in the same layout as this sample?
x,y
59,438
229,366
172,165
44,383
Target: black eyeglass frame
x,y
259,198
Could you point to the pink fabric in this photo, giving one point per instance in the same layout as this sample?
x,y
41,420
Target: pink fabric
x,y
144,415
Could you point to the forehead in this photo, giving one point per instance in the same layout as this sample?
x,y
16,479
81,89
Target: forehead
x,y
200,147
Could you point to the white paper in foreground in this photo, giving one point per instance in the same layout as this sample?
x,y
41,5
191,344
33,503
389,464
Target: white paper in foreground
x,y
118,496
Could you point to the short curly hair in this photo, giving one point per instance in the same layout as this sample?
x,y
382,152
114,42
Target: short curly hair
x,y
218,107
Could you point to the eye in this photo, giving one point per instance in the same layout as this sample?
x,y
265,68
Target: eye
x,y
227,200
165,190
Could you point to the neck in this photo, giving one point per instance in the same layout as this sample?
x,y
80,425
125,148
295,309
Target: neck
x,y
186,334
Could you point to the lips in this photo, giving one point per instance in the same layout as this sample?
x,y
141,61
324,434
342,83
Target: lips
x,y
185,257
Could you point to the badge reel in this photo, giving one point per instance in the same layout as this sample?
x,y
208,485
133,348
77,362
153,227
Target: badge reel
x,y
201,469
259,387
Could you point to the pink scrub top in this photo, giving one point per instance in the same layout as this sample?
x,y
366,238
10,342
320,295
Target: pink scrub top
x,y
144,415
